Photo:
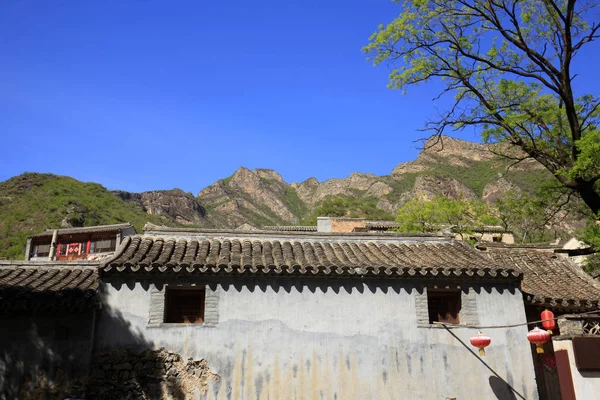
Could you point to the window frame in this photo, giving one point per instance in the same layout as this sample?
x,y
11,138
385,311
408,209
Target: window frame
x,y
94,249
434,296
35,250
176,293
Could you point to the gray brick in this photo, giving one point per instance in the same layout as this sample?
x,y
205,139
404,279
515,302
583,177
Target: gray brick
x,y
468,312
157,306
211,307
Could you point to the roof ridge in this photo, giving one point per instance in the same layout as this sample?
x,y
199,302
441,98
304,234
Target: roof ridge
x,y
252,255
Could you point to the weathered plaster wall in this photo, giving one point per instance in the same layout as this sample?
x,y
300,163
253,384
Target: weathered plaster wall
x,y
43,353
586,384
329,339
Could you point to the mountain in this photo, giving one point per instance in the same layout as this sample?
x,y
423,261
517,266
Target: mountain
x,y
457,169
452,168
32,202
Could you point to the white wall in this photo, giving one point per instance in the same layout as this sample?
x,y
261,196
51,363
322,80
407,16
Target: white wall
x,y
587,384
320,339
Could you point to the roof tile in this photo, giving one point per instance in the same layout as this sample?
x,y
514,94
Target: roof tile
x,y
550,280
85,229
299,256
42,287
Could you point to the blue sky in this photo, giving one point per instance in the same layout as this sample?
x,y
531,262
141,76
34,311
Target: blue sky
x,y
143,94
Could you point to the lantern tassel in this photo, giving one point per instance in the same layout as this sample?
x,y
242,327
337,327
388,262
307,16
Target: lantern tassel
x,y
549,331
539,349
481,352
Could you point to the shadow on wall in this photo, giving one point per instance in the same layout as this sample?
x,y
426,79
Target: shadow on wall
x,y
300,285
501,389
45,336
47,352
44,356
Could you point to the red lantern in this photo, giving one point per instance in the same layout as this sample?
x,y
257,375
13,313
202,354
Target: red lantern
x,y
548,321
538,337
481,341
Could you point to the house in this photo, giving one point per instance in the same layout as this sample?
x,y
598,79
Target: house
x,y
251,314
487,233
550,280
319,315
553,281
87,243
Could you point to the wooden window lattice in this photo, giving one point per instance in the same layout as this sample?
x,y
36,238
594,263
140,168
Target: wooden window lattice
x,y
591,326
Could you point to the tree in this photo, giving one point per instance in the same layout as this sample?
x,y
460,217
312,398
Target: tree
x,y
463,217
591,235
510,66
346,206
525,215
419,216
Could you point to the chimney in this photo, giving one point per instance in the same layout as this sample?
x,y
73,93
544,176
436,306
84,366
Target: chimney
x,y
341,224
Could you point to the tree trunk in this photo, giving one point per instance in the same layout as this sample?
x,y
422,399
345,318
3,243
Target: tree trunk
x,y
589,195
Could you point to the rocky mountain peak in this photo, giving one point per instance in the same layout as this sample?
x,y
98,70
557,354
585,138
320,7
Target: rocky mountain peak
x,y
268,174
445,146
175,204
245,180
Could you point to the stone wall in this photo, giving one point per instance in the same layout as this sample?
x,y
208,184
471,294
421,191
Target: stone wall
x,y
127,374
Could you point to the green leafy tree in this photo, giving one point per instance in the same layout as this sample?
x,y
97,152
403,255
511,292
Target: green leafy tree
x,y
523,214
463,217
591,235
510,66
345,206
419,216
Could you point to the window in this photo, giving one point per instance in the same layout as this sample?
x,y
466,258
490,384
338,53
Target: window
x,y
41,250
443,306
72,250
184,306
103,245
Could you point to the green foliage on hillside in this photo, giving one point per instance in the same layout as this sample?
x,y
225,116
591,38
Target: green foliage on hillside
x,y
344,206
293,202
476,175
32,202
400,186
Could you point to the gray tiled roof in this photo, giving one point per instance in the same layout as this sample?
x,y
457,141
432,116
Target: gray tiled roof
x,y
290,228
41,287
518,246
302,256
549,279
86,229
382,225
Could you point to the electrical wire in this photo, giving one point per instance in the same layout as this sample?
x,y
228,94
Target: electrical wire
x,y
449,325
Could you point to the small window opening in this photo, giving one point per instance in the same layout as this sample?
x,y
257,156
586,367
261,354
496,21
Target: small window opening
x,y
497,239
103,245
41,250
185,306
443,306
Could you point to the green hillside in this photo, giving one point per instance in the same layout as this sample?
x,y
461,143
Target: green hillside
x,y
32,202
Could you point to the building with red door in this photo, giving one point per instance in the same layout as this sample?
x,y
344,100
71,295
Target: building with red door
x,y
86,243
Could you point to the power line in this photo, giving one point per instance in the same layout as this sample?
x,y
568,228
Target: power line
x,y
450,325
